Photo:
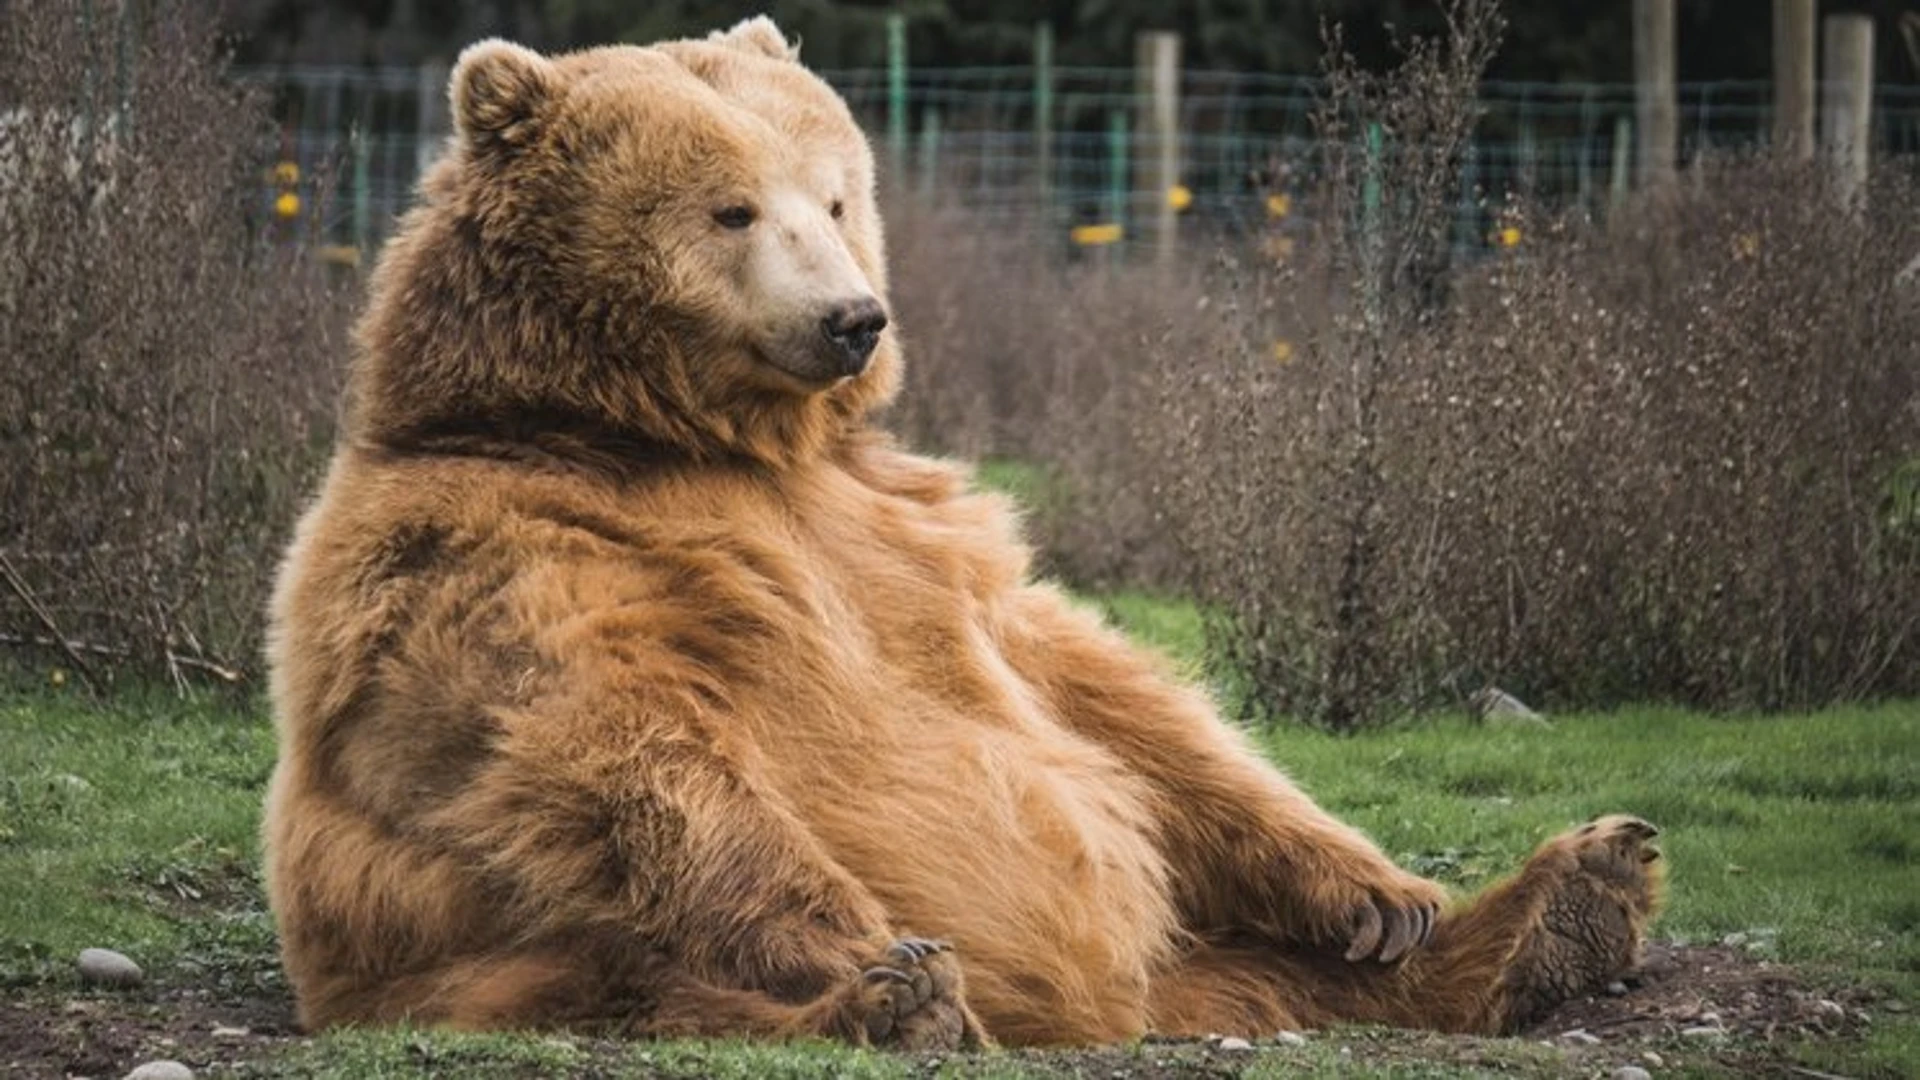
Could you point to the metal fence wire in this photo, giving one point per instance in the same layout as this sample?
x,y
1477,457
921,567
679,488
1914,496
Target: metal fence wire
x,y
1058,151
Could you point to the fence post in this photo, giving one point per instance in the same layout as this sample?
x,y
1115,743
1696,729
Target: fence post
x,y
1656,106
1621,180
1117,137
430,114
1043,112
1847,98
897,94
1157,95
362,204
1793,35
929,166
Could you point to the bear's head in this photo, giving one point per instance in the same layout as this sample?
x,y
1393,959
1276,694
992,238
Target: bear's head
x,y
673,248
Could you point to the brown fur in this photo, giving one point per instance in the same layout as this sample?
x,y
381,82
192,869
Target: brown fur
x,y
625,680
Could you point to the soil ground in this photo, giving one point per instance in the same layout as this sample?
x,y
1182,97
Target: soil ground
x,y
1702,1008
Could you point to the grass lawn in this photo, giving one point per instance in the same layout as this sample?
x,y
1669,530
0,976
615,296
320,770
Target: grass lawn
x,y
132,825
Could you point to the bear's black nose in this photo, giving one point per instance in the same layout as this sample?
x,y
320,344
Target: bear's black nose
x,y
854,329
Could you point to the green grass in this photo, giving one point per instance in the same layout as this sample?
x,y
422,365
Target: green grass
x,y
134,825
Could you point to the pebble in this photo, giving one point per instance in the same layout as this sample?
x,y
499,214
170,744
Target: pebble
x,y
1234,1044
1704,1031
1581,1036
1734,940
109,968
1631,1072
1828,1008
1653,1059
161,1070
1290,1038
1616,989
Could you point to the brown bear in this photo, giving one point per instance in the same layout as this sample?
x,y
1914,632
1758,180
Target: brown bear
x,y
627,677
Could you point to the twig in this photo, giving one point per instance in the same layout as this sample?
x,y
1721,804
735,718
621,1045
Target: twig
x,y
19,586
1815,1073
218,671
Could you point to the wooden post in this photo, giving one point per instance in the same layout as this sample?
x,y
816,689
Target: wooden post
x,y
1657,109
1846,98
1793,37
1157,166
1043,113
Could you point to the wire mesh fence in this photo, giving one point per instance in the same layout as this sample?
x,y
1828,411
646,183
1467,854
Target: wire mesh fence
x,y
1057,146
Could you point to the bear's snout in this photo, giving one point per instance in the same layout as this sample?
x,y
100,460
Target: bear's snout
x,y
853,330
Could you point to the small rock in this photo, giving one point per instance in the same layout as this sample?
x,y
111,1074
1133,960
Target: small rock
x,y
222,1031
161,1070
1290,1038
109,968
1734,940
1493,705
1709,1018
1581,1036
1704,1031
1631,1072
1233,1044
1616,989
1653,1059
1833,1010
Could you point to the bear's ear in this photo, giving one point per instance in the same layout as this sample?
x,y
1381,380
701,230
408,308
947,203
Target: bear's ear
x,y
758,35
500,92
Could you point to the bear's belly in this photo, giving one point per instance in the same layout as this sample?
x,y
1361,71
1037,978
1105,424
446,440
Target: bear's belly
x,y
1025,845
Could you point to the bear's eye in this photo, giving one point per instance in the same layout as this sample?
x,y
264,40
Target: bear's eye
x,y
734,217
837,209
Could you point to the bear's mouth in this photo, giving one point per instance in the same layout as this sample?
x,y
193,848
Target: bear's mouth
x,y
815,367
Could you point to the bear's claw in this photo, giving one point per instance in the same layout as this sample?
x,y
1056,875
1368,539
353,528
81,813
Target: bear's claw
x,y
913,998
1391,933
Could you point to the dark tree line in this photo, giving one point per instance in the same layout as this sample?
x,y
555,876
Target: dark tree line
x,y
1573,40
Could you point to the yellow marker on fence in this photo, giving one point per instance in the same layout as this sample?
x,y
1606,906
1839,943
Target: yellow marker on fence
x,y
1509,237
1282,351
1279,205
1097,235
287,205
286,174
1179,196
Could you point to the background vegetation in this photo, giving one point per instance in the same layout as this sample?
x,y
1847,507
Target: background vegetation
x,y
1669,456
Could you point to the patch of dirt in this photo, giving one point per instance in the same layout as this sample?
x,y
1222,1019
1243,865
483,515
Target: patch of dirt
x,y
1700,1005
1682,990
105,1034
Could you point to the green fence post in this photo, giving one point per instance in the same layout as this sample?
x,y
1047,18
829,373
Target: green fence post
x,y
1117,168
897,93
1622,159
929,149
1372,236
362,206
1043,112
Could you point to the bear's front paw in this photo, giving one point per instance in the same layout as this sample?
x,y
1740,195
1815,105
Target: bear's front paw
x,y
1379,912
911,998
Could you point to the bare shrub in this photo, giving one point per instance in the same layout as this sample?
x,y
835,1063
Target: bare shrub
x,y
1669,456
1676,447
168,369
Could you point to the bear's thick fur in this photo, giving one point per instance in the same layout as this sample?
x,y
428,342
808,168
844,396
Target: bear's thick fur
x,y
625,677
